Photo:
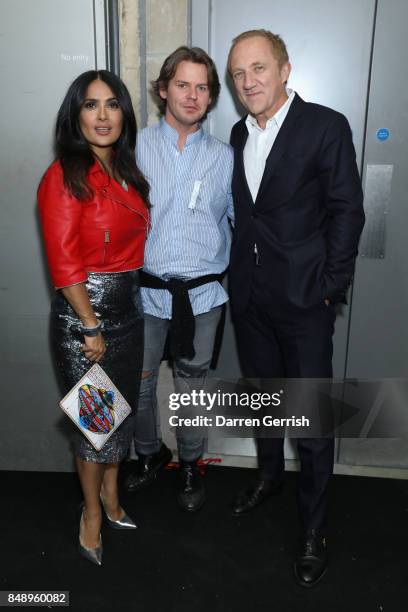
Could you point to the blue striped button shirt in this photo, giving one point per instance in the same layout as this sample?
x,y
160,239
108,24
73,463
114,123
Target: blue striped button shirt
x,y
190,192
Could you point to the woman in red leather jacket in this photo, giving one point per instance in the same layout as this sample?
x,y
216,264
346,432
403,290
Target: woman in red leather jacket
x,y
93,203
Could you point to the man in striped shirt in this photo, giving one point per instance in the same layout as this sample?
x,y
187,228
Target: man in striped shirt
x,y
186,255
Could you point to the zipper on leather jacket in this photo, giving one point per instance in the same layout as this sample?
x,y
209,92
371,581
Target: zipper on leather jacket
x,y
105,243
122,203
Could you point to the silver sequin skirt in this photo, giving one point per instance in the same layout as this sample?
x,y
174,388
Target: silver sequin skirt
x,y
116,300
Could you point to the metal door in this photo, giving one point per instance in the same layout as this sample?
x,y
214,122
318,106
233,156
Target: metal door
x,y
44,45
378,345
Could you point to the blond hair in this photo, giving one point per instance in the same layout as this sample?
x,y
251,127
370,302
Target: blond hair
x,y
278,46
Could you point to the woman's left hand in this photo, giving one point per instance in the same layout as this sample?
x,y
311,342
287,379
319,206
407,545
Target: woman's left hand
x,y
94,347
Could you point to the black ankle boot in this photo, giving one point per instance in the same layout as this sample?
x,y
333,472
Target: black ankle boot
x,y
191,492
148,467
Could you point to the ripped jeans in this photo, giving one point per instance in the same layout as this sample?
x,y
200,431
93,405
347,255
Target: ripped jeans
x,y
147,436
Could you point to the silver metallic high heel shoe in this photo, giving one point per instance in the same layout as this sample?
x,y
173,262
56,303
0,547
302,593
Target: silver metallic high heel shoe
x,y
124,523
92,554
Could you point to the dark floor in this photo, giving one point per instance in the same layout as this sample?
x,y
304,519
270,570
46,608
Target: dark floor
x,y
209,561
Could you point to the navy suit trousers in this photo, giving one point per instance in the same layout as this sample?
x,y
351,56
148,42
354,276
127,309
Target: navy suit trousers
x,y
277,339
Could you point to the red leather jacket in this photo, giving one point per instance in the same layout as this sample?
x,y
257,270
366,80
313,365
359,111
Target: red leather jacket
x,y
104,234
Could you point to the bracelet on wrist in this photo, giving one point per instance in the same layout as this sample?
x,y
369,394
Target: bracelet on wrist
x,y
91,331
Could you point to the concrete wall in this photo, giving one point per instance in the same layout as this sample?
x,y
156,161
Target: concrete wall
x,y
149,31
130,47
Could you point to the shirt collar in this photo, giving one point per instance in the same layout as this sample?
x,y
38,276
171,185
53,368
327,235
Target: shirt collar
x,y
277,119
171,134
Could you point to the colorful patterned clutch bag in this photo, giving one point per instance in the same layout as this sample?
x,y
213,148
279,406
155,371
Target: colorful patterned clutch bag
x,y
96,406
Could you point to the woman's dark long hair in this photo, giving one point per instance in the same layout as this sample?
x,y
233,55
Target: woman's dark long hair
x,y
73,150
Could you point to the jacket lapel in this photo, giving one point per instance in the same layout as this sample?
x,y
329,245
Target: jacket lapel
x,y
239,151
109,188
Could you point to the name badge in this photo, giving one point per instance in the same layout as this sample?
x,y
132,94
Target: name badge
x,y
194,195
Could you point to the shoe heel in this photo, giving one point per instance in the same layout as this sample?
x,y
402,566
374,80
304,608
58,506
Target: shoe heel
x,y
124,523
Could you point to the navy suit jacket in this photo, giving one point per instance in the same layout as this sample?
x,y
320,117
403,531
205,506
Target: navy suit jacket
x,y
308,214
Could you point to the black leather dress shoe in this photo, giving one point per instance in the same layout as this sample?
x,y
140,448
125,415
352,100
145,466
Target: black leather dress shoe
x,y
311,564
147,469
191,492
254,495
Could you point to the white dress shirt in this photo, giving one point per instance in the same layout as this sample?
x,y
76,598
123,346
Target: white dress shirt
x,y
260,142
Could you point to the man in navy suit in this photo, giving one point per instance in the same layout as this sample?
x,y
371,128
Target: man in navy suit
x,y
299,216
